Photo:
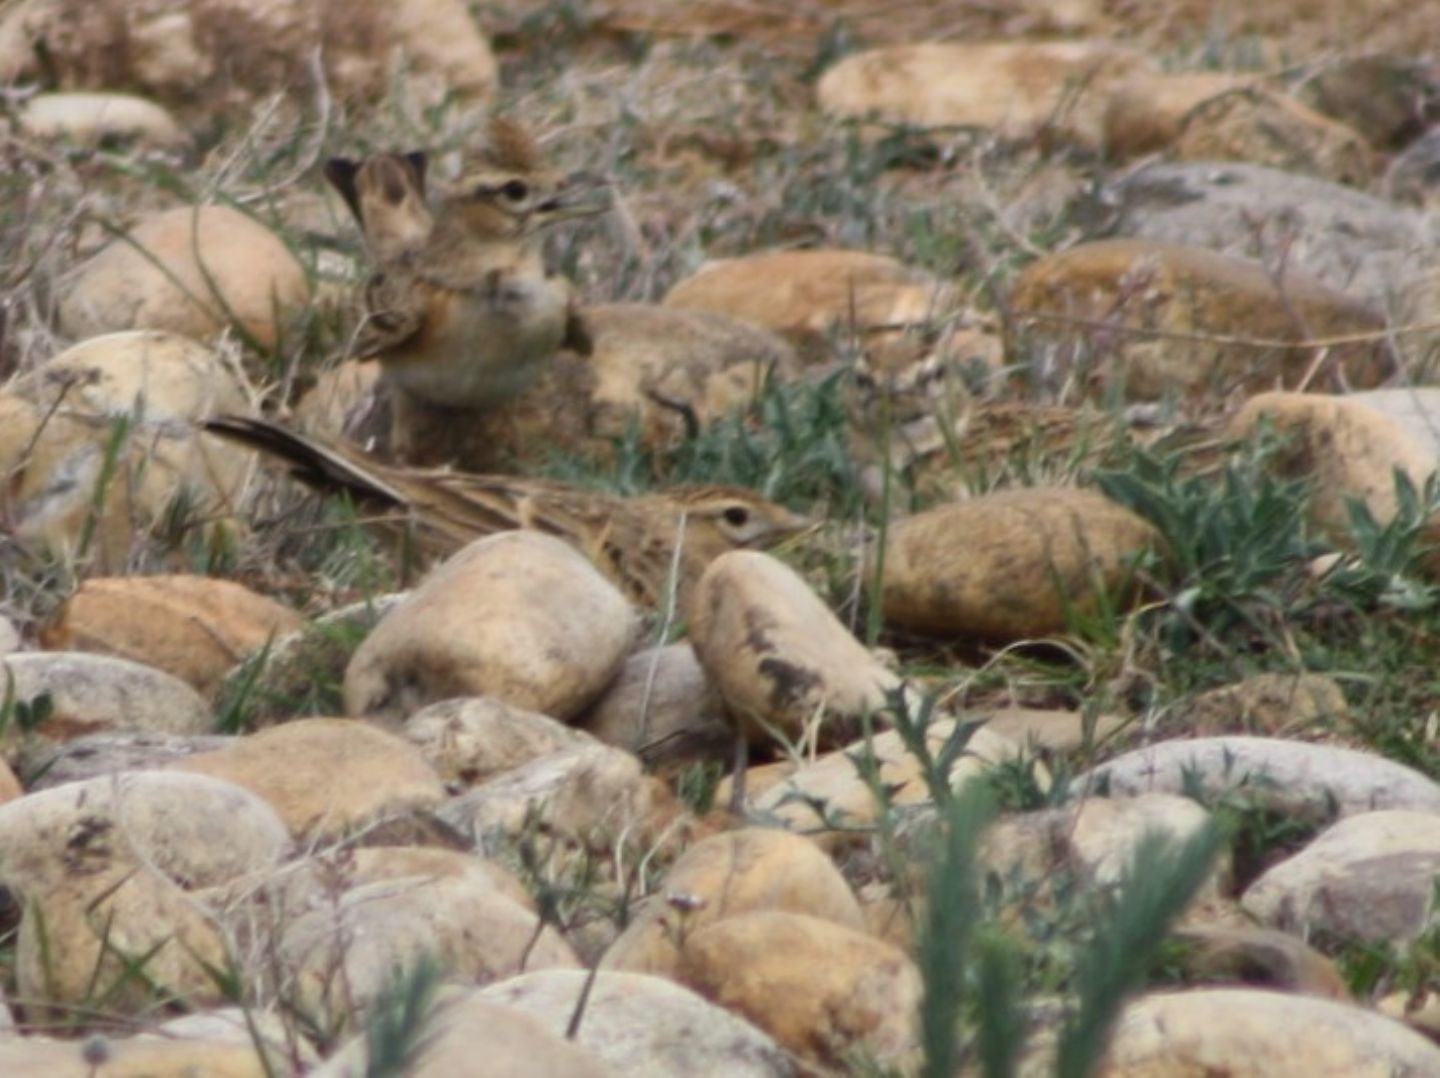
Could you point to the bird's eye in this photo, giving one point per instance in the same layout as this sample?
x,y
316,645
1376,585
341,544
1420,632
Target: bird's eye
x,y
516,190
737,516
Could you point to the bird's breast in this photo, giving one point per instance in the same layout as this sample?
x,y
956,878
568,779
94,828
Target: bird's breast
x,y
482,346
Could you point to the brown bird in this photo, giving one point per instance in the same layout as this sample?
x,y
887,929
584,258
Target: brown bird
x,y
653,546
460,309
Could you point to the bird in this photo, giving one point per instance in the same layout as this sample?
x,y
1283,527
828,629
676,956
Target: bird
x,y
654,547
459,308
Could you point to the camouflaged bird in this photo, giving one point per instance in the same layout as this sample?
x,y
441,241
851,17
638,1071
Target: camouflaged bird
x,y
460,309
653,546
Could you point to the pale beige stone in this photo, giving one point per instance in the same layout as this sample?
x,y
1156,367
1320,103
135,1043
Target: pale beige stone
x,y
342,955
1051,730
727,875
520,616
591,794
664,708
193,627
144,374
1018,89
1146,113
1012,565
809,295
829,799
131,1057
95,755
1348,449
1147,318
785,666
1369,876
100,488
193,828
1268,128
97,693
91,119
1248,1033
325,777
81,935
646,1027
820,989
464,1029
190,270
1290,776
474,738
650,361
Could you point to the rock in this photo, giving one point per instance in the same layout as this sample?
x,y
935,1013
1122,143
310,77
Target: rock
x,y
782,661
343,954
325,777
590,794
146,1054
822,990
464,1028
807,296
190,270
346,400
1369,876
226,55
194,829
1361,245
1266,128
82,937
146,375
1348,450
301,674
727,875
98,489
520,616
1413,409
1248,1033
94,755
90,694
194,627
828,797
9,636
1050,731
94,120
473,739
1146,113
1095,838
1289,776
1261,957
1011,565
664,709
1017,89
648,360
646,1027
1152,318
1266,704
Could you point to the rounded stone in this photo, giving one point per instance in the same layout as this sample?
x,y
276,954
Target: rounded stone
x,y
194,627
519,616
781,659
822,990
1012,565
92,119
1017,89
726,875
90,694
325,777
646,1027
190,270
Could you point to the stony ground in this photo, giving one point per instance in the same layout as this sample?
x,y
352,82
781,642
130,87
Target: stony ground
x,y
1091,729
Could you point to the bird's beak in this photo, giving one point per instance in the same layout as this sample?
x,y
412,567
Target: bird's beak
x,y
583,194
